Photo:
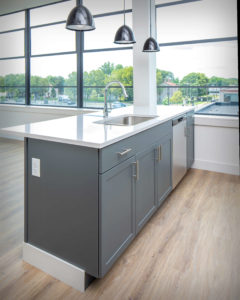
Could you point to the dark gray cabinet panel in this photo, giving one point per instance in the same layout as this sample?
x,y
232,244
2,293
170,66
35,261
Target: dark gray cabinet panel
x,y
109,156
116,213
163,168
145,186
62,205
190,139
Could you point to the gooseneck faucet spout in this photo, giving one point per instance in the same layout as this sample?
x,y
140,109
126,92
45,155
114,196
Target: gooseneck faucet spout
x,y
105,110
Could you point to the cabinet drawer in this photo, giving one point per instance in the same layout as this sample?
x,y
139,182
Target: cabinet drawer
x,y
118,152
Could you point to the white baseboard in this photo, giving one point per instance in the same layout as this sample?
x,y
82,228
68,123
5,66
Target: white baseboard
x,y
56,267
216,167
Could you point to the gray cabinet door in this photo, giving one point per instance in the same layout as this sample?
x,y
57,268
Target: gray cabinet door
x,y
145,186
116,215
163,168
190,140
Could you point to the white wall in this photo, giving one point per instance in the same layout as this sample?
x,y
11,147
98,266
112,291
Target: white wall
x,y
217,144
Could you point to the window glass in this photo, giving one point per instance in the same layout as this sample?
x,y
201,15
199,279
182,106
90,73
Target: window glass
x,y
52,39
12,72
12,81
106,28
12,21
54,96
59,65
106,6
103,67
51,13
197,20
12,44
54,80
195,65
12,95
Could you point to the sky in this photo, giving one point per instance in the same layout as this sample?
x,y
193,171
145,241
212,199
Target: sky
x,y
201,20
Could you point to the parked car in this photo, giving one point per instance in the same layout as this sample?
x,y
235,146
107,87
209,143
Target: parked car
x,y
117,104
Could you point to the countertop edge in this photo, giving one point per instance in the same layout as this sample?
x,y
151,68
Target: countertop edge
x,y
91,144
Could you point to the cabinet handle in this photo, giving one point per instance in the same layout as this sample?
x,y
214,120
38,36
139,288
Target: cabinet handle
x,y
137,170
159,153
124,152
185,131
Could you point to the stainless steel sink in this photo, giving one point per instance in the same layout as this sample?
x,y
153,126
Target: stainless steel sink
x,y
126,120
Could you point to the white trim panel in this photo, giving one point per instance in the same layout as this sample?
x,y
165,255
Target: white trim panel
x,y
56,267
216,167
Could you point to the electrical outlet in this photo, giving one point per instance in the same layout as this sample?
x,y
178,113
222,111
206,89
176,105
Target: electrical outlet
x,y
36,167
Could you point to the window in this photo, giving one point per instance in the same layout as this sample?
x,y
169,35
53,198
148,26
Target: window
x,y
103,35
103,67
53,57
53,80
199,49
101,63
12,62
51,13
52,39
106,6
62,67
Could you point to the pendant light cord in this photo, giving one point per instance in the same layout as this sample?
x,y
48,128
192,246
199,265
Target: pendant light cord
x,y
150,18
124,12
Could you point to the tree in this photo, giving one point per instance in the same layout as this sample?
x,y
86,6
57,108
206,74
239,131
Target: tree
x,y
39,86
219,81
197,79
57,81
125,76
107,68
176,98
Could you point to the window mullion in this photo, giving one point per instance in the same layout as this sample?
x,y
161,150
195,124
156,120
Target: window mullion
x,y
27,42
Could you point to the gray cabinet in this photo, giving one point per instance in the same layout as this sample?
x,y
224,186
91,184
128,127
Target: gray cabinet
x,y
89,204
116,212
145,186
190,139
163,168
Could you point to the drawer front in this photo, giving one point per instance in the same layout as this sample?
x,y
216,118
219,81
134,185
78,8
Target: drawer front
x,y
118,152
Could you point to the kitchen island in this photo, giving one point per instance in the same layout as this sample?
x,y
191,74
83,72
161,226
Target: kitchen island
x,y
91,187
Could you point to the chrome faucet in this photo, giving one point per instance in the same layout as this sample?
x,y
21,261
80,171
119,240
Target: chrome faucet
x,y
105,110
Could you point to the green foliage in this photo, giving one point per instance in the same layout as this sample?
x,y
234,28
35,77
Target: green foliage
x,y
164,76
107,68
219,81
177,98
198,79
42,88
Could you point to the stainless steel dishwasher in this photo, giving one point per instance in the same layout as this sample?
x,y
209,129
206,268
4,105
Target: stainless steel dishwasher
x,y
179,157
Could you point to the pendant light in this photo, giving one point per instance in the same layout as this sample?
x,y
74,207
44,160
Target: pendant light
x,y
151,45
80,19
124,35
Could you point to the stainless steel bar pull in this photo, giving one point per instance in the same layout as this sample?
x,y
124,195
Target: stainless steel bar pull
x,y
136,175
159,153
125,152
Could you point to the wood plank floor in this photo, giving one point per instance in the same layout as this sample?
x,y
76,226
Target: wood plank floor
x,y
189,250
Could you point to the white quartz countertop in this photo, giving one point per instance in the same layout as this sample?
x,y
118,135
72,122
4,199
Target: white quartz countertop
x,y
82,129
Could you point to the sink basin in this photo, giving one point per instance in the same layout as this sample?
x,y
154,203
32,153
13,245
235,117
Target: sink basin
x,y
126,120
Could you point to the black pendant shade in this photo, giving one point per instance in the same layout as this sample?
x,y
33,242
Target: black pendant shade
x,y
151,45
124,35
80,19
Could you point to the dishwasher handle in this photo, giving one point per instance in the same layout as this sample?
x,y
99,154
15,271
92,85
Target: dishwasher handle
x,y
178,120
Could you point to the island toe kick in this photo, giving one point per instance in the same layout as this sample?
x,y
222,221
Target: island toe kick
x,y
56,267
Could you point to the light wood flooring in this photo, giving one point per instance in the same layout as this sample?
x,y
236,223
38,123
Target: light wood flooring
x,y
189,250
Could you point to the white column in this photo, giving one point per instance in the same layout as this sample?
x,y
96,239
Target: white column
x,y
144,64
